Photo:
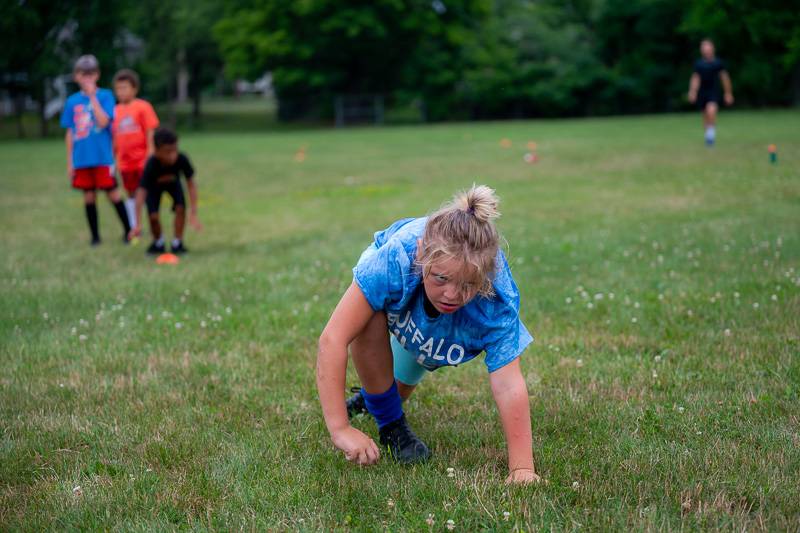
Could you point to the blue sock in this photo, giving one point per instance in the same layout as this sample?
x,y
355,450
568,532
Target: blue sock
x,y
386,407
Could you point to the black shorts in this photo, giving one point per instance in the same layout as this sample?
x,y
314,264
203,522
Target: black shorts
x,y
704,97
174,189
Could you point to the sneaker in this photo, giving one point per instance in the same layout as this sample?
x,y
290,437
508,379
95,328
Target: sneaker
x,y
180,249
95,242
156,249
403,445
356,405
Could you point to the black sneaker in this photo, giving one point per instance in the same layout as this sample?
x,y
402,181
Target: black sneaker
x,y
156,249
356,405
404,446
180,249
95,242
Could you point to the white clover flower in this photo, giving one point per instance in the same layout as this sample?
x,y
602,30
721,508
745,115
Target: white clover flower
x,y
636,305
755,305
451,525
727,333
77,490
451,472
390,503
655,374
73,331
690,313
202,323
610,295
178,325
681,409
430,520
579,362
568,300
590,305
575,485
82,338
736,295
657,359
228,310
149,318
165,314
45,315
584,295
634,320
187,292
774,297
598,296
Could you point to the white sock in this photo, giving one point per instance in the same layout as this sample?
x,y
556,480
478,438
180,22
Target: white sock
x,y
160,241
711,133
130,207
176,243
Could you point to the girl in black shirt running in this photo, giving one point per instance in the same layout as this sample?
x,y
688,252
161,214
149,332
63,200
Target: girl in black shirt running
x,y
704,88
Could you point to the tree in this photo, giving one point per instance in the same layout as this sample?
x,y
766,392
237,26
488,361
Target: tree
x,y
318,48
177,36
55,33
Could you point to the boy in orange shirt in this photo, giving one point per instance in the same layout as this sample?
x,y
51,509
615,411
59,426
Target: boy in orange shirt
x,y
133,127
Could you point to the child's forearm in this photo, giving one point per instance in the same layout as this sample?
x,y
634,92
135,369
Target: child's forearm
x,y
726,83
192,196
694,83
511,395
141,194
68,143
99,113
151,147
331,369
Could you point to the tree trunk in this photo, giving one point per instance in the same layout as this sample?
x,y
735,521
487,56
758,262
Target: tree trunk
x,y
195,90
19,108
42,108
183,77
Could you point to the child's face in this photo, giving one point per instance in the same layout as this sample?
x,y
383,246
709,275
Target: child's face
x,y
125,91
450,285
707,50
86,80
167,153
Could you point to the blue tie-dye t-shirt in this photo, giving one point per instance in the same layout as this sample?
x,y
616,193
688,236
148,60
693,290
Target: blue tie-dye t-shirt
x,y
389,279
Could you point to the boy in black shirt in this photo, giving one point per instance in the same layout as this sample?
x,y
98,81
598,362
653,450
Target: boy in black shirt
x,y
162,174
704,88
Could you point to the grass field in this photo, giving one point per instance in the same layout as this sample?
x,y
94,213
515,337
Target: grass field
x,y
660,278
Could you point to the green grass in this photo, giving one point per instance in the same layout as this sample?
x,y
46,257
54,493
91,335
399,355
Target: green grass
x,y
673,404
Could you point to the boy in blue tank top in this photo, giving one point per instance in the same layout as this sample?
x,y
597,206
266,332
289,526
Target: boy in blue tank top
x,y
428,293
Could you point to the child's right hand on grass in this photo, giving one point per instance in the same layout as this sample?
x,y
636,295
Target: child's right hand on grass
x,y
357,446
194,222
134,232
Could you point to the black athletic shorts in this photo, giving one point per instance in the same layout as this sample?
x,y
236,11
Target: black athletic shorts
x,y
174,189
704,97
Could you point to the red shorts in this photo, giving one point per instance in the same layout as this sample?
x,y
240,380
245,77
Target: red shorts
x,y
131,179
91,178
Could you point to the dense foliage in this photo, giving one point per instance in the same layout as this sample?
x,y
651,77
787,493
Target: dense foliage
x,y
455,58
